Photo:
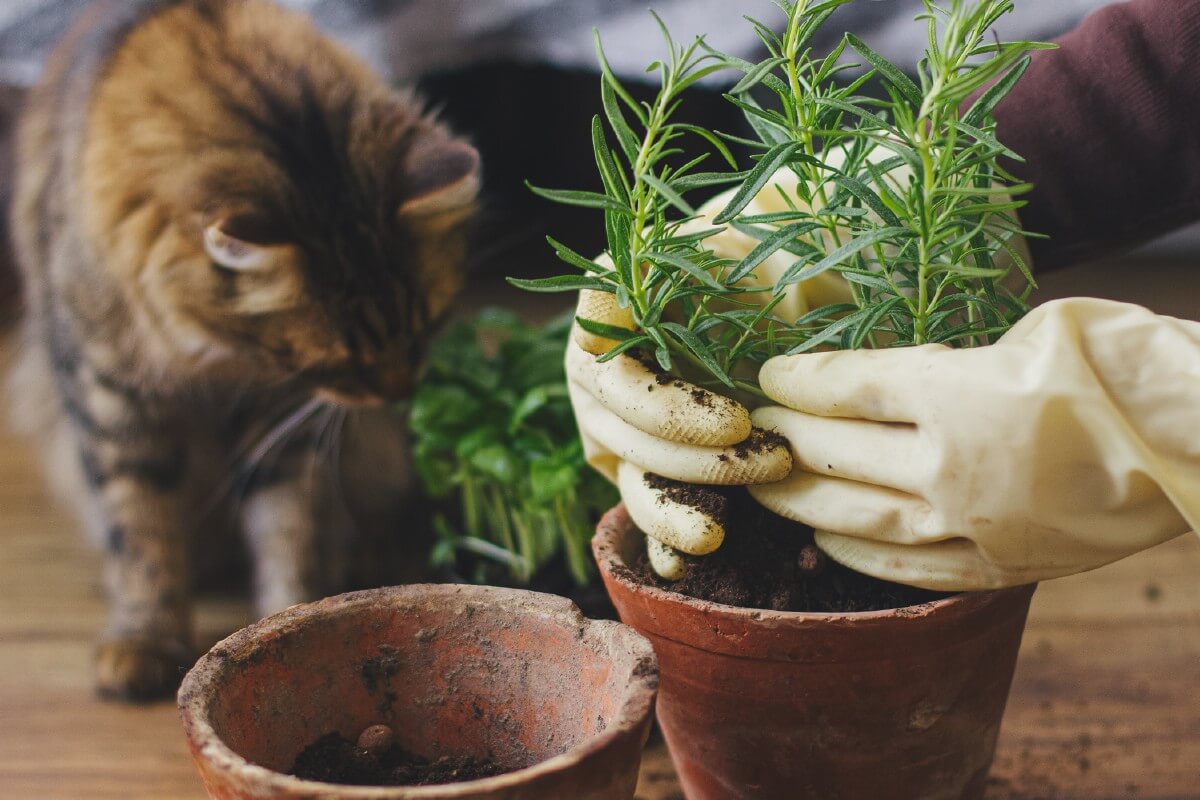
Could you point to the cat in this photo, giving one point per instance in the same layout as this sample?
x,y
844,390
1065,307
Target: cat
x,y
226,225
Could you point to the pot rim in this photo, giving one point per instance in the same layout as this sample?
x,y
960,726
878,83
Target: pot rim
x,y
616,523
204,679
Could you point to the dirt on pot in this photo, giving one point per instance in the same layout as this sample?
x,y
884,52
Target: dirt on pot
x,y
769,562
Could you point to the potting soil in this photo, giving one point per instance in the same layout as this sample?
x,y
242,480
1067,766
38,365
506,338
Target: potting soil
x,y
768,562
335,759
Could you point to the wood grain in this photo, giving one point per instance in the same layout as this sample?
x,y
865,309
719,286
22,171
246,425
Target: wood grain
x,y
1106,702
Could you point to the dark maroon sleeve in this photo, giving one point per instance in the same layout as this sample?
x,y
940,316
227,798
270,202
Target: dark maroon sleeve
x,y
1109,125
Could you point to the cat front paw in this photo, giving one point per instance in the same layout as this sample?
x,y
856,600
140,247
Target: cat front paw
x,y
141,670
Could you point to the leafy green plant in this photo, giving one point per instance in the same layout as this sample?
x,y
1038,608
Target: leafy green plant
x,y
495,435
901,192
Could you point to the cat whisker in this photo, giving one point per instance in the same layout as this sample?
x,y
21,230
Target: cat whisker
x,y
246,462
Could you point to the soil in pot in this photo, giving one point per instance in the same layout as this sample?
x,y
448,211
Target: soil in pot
x,y
769,562
335,759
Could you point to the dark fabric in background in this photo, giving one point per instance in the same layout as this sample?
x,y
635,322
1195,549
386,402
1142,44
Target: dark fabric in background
x,y
1110,130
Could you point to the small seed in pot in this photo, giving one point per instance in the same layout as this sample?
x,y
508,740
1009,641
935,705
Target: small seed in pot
x,y
812,561
377,739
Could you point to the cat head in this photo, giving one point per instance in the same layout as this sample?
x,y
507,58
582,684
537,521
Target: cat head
x,y
304,224
343,294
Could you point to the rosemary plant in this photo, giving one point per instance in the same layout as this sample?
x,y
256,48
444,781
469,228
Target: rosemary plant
x,y
902,192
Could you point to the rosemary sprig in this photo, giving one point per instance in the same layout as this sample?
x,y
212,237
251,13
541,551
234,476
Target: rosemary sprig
x,y
903,195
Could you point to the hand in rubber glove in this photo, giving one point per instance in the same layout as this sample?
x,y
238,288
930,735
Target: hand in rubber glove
x,y
633,422
1072,442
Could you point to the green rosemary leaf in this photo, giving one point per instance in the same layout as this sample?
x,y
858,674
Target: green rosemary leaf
x,y
987,139
758,177
679,262
750,144
851,108
613,179
768,247
870,198
839,255
746,223
830,333
583,199
757,75
765,34
561,283
770,81
870,321
712,139
700,180
610,78
902,150
979,76
968,332
827,313
866,278
887,70
618,123
670,195
574,259
770,126
603,329
681,240
623,347
966,271
699,75
829,67
1019,261
699,349
662,350
798,246
987,102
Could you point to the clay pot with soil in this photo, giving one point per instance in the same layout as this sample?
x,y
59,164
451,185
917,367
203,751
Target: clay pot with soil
x,y
904,702
510,694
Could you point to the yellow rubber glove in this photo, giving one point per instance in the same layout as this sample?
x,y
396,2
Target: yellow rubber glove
x,y
1072,442
633,424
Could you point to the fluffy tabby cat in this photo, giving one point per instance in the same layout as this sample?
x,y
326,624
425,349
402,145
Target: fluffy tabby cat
x,y
227,225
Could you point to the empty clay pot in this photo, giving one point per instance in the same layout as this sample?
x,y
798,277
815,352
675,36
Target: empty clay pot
x,y
517,677
767,705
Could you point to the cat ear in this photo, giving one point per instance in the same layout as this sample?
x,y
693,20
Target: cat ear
x,y
441,177
240,243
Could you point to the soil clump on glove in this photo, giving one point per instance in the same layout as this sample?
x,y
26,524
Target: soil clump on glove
x,y
335,759
769,562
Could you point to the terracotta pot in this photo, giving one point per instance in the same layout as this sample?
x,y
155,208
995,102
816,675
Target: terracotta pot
x,y
766,705
517,677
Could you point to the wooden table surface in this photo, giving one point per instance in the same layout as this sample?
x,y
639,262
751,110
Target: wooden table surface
x,y
1106,702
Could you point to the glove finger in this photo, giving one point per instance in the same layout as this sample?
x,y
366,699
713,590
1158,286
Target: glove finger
x,y
599,307
877,453
665,562
758,460
863,384
599,457
688,528
848,507
953,565
669,409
